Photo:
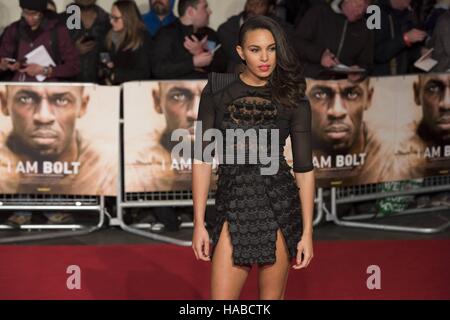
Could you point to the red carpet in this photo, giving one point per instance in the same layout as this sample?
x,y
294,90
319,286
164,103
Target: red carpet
x,y
409,270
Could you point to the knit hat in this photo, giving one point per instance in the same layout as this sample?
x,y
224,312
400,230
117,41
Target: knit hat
x,y
34,5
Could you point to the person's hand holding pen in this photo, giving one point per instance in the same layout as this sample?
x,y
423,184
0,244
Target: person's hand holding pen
x,y
328,59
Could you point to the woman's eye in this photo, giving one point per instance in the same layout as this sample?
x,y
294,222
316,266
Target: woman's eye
x,y
254,50
273,49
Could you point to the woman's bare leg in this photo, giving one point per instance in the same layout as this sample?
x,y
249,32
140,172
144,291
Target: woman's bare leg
x,y
227,279
273,278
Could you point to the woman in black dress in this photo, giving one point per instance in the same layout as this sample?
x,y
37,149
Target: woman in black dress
x,y
263,219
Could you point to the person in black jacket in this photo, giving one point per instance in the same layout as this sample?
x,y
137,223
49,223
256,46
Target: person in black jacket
x,y
128,46
334,34
398,42
185,48
89,38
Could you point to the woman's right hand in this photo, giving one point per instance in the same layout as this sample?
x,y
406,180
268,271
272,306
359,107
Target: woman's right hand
x,y
200,243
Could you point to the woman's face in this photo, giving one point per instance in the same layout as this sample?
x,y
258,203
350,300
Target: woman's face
x,y
116,19
259,52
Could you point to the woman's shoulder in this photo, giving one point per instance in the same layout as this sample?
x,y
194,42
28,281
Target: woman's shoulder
x,y
220,81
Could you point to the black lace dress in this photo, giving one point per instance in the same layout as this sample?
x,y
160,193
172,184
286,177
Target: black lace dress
x,y
256,205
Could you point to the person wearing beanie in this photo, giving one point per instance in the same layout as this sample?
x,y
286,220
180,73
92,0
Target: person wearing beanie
x,y
38,27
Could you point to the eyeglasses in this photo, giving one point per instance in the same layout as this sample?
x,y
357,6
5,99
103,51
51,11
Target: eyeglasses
x,y
114,18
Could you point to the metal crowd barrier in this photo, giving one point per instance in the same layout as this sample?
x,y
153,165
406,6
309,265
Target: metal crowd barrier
x,y
176,198
72,203
353,194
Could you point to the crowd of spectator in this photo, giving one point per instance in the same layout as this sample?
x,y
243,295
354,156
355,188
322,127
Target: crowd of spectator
x,y
126,45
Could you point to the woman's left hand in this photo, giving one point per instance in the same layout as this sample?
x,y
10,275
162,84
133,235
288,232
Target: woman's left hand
x,y
305,247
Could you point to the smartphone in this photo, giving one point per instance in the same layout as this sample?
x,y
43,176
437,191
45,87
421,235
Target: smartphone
x,y
88,38
105,57
211,45
216,48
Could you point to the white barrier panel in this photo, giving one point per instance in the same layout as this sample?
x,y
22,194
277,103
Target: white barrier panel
x,y
382,129
59,139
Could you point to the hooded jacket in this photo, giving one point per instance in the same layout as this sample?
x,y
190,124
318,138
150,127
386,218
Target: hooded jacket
x,y
98,31
392,55
68,65
325,27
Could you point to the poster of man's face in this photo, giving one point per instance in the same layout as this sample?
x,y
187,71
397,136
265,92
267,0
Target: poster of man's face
x,y
430,140
337,114
154,111
178,101
43,118
432,94
340,137
50,139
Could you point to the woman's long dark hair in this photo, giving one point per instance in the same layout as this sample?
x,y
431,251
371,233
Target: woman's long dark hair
x,y
286,81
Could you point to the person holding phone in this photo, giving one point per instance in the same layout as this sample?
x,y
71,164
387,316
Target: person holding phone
x,y
333,34
127,47
186,49
38,27
89,38
399,41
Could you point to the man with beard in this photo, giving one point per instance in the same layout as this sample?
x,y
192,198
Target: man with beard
x,y
344,147
160,15
426,150
151,167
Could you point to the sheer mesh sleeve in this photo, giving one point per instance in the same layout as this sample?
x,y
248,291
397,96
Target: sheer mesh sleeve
x,y
300,132
205,121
